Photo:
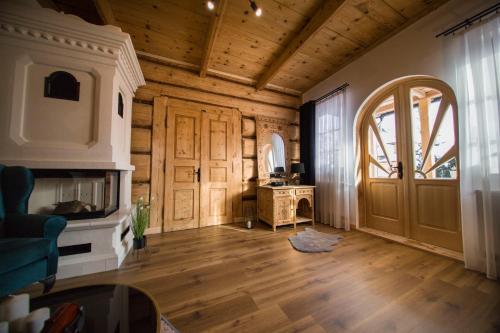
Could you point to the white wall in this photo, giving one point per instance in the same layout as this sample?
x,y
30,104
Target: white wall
x,y
413,51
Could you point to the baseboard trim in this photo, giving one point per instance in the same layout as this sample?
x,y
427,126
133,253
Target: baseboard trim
x,y
415,244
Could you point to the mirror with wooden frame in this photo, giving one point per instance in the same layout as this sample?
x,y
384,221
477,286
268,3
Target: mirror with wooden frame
x,y
272,147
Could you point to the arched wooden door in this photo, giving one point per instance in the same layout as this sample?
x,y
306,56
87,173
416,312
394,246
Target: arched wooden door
x,y
410,163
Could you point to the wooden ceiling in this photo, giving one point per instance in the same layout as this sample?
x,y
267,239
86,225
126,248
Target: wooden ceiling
x,y
293,45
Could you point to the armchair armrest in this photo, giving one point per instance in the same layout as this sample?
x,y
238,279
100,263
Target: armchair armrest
x,y
43,226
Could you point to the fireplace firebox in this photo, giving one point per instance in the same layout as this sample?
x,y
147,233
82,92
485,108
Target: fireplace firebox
x,y
75,194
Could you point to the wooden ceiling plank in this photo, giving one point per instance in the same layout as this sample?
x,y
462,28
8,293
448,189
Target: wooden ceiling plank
x,y
213,32
104,10
320,18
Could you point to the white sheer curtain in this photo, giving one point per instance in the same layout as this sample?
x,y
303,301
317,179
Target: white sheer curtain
x,y
332,161
473,71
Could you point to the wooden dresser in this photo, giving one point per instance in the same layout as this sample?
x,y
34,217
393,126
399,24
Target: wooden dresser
x,y
284,205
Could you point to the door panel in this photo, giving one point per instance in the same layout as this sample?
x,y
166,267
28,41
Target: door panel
x,y
434,184
216,166
382,150
182,160
385,199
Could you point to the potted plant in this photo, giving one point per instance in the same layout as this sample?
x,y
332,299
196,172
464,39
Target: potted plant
x,y
140,221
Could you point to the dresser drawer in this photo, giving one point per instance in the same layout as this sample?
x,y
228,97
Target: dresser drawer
x,y
279,193
302,191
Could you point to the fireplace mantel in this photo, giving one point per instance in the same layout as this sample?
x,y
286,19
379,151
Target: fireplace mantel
x,y
88,165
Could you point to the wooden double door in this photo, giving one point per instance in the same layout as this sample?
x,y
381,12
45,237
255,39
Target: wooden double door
x,y
410,163
199,165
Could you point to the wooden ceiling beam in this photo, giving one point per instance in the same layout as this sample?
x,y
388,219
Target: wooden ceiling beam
x,y
213,32
48,4
105,13
318,21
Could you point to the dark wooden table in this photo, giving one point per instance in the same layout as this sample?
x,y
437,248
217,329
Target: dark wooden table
x,y
108,308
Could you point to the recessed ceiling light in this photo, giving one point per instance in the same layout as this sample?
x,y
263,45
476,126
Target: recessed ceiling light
x,y
210,5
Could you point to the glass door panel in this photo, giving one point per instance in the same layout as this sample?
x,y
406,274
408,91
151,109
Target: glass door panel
x,y
382,145
433,128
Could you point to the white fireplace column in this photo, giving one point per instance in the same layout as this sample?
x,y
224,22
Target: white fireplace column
x,y
87,126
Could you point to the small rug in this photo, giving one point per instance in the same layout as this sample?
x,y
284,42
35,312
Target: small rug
x,y
311,240
166,326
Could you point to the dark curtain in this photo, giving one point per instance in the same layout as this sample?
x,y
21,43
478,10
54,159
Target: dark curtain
x,y
307,124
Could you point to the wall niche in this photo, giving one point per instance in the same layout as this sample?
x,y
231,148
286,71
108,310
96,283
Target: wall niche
x,y
62,85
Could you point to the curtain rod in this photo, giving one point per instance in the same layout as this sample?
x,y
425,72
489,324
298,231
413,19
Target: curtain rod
x,y
471,20
333,92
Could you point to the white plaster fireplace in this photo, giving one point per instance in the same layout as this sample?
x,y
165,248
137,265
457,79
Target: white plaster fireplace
x,y
66,92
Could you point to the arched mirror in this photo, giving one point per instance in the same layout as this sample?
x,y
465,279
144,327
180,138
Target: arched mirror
x,y
275,153
272,147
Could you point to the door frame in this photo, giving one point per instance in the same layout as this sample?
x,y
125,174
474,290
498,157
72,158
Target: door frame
x,y
368,104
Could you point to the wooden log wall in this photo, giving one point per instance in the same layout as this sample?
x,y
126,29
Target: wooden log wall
x,y
148,130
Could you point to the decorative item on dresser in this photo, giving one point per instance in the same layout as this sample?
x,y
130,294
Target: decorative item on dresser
x,y
285,205
296,171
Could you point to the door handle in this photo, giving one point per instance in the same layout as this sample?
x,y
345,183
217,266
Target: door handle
x,y
399,169
198,174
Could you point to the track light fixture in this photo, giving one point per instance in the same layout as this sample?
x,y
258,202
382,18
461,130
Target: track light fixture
x,y
257,10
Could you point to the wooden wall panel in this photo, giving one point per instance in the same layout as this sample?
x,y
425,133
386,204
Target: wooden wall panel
x,y
249,189
249,169
250,208
142,163
140,190
294,151
158,162
248,127
141,140
249,147
237,167
142,115
294,132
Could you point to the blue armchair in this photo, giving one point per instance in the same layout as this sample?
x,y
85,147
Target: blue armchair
x,y
28,243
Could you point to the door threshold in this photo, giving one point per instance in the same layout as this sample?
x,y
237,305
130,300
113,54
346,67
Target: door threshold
x,y
415,244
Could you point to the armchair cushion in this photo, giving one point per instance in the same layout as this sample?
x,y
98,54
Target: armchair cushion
x,y
44,226
19,252
37,226
17,185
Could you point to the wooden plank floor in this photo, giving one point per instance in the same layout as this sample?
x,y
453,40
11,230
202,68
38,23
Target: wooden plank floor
x,y
228,279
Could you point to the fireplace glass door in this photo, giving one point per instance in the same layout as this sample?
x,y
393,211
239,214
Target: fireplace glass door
x,y
75,194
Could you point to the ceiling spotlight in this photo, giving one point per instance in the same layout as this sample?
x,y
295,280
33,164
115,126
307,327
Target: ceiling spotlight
x,y
210,5
255,8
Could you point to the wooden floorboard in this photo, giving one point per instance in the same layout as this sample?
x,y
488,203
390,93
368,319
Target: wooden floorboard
x,y
229,279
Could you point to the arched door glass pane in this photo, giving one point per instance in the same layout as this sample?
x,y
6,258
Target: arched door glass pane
x,y
382,146
433,129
